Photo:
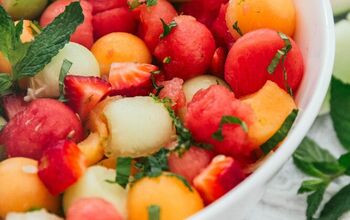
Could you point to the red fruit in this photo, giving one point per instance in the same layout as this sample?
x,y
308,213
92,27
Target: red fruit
x,y
204,114
83,34
60,166
217,67
204,10
131,79
104,5
151,26
220,30
92,208
173,90
191,163
248,60
189,48
41,124
222,175
85,92
114,20
13,104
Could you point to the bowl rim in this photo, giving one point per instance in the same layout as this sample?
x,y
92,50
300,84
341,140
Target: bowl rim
x,y
294,138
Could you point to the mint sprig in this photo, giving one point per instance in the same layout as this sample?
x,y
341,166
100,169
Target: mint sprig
x,y
325,168
227,119
340,107
27,59
167,28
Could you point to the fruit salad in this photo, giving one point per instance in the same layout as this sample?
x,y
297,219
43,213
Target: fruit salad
x,y
140,109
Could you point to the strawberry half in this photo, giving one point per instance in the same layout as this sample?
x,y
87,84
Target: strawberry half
x,y
131,79
60,166
13,104
222,175
85,92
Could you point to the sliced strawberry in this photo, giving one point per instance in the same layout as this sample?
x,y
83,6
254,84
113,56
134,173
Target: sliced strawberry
x,y
60,166
131,79
191,163
84,92
222,175
13,104
173,90
217,67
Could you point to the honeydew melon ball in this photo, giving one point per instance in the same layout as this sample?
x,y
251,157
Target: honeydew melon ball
x,y
192,86
93,184
138,126
24,9
32,215
84,64
341,69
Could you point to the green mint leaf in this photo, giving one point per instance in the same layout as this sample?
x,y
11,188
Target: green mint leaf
x,y
344,161
227,119
280,53
310,153
151,2
66,65
167,60
340,107
48,43
311,185
237,29
182,179
281,133
337,205
123,171
313,202
167,28
5,83
154,212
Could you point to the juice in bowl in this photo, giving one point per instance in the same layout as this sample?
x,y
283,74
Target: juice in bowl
x,y
155,109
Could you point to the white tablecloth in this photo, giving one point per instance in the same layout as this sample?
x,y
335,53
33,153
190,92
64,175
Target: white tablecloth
x,y
280,201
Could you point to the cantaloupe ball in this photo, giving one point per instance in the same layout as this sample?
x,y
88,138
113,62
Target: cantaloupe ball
x,y
120,47
93,184
41,214
175,200
138,126
21,189
192,86
84,64
279,15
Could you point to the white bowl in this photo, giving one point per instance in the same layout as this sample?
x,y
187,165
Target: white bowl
x,y
315,36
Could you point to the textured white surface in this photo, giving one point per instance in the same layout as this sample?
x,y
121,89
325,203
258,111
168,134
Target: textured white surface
x,y
280,201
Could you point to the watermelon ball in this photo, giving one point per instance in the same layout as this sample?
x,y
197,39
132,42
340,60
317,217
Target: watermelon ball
x,y
204,10
114,20
41,124
150,24
246,68
204,114
24,9
187,51
96,208
220,31
84,33
104,5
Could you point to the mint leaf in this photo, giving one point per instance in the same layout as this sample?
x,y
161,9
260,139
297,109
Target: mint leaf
x,y
311,185
313,202
280,53
337,205
5,83
340,107
66,65
154,83
237,29
309,156
167,28
281,133
136,3
344,161
228,120
154,212
123,171
48,43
